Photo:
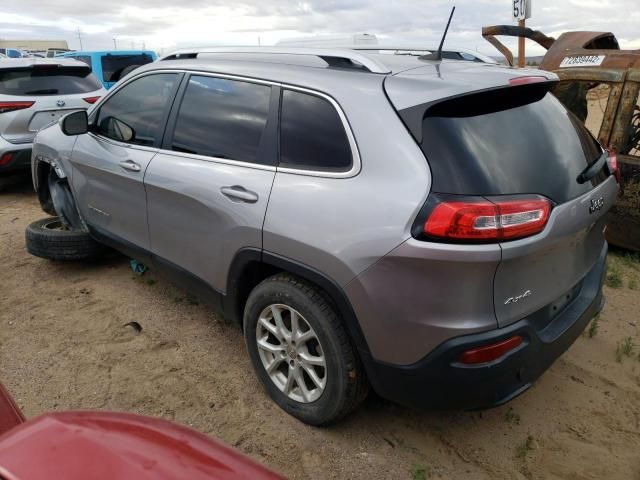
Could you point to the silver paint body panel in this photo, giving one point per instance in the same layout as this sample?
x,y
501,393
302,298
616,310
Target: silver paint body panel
x,y
192,224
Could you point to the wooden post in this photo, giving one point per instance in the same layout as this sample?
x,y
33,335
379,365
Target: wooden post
x,y
521,56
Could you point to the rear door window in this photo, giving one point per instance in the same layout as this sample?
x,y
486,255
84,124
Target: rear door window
x,y
312,135
48,80
113,65
510,141
142,106
222,118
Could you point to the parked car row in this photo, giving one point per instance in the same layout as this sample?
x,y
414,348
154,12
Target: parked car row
x,y
368,220
110,66
35,92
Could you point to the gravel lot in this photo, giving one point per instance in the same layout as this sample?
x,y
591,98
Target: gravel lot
x,y
63,345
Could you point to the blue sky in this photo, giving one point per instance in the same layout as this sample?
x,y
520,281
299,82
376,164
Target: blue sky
x,y
164,25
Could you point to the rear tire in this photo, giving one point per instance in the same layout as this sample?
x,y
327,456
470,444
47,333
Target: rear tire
x,y
47,238
320,354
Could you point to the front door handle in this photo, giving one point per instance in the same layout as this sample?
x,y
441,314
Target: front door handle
x,y
130,165
239,193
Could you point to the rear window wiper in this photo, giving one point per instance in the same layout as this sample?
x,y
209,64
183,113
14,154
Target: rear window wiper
x,y
592,170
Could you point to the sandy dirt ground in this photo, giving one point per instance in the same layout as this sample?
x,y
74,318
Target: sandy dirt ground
x,y
63,345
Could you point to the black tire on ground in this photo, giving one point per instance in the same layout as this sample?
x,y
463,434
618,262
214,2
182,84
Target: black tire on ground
x,y
45,238
346,384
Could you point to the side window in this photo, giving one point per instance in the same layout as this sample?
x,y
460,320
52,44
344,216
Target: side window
x,y
222,118
312,136
135,113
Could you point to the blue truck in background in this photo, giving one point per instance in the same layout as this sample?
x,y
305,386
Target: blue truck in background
x,y
111,65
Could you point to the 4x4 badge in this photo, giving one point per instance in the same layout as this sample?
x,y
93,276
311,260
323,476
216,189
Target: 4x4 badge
x,y
596,204
511,300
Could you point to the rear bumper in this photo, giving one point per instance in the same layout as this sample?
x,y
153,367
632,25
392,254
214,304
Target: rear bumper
x,y
21,159
439,381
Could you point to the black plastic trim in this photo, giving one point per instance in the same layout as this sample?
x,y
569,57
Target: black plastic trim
x,y
268,259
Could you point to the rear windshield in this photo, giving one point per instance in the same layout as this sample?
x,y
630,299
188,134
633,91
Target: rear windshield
x,y
47,80
113,65
508,141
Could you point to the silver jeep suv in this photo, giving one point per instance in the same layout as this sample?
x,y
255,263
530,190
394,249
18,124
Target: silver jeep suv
x,y
432,229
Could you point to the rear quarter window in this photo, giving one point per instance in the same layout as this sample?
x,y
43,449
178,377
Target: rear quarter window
x,y
510,141
47,80
312,135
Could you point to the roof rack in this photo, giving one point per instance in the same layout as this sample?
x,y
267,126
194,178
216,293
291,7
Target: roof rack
x,y
335,57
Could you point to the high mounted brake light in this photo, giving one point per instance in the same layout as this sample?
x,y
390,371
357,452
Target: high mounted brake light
x,y
13,106
481,220
514,82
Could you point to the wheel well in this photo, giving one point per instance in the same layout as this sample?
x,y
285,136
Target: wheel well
x,y
251,267
250,274
43,170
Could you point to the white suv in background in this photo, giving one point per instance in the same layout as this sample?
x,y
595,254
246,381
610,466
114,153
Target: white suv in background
x,y
35,92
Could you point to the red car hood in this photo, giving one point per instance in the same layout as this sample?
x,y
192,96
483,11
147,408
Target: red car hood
x,y
108,446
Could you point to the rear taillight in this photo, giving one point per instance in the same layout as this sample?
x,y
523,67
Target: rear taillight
x,y
6,159
489,353
482,220
91,99
612,161
13,106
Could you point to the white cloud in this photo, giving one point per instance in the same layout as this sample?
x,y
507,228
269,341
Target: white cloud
x,y
163,24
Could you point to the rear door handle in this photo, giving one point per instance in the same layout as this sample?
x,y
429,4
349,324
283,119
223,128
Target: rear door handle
x,y
130,165
239,193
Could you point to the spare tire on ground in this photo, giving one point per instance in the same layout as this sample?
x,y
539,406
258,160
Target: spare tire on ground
x,y
49,238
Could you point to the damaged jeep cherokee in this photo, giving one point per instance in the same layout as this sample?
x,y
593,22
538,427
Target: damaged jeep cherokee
x,y
431,229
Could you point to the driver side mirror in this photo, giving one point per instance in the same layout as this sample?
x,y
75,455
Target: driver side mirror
x,y
75,123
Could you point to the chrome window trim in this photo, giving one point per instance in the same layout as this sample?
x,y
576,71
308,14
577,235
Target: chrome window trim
x,y
356,163
224,161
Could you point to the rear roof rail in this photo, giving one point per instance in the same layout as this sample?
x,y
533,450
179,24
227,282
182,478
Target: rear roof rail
x,y
334,57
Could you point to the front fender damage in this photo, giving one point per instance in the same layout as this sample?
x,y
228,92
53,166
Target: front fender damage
x,y
64,203
55,194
